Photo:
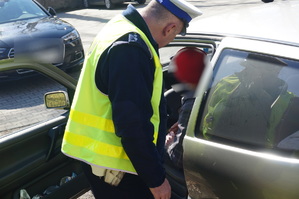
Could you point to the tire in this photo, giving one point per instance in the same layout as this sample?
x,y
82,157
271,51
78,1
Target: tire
x,y
85,3
141,1
109,5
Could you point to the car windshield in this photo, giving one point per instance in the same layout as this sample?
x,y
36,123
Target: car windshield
x,y
14,10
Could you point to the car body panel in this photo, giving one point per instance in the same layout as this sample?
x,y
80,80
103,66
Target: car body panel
x,y
274,21
240,173
53,28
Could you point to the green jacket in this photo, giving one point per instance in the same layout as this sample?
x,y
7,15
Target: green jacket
x,y
245,113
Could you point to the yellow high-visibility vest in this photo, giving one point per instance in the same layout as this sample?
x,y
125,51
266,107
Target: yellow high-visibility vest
x,y
90,133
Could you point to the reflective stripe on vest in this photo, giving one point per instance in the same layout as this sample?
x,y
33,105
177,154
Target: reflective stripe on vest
x,y
90,133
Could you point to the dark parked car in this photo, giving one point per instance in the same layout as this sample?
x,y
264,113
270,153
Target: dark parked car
x,y
109,4
29,32
242,138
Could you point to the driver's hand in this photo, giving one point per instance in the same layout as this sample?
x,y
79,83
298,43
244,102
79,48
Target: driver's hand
x,y
174,128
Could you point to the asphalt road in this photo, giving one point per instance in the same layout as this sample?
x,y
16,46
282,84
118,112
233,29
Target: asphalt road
x,y
90,21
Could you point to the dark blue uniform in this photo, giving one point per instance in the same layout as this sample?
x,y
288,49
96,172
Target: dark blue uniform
x,y
125,73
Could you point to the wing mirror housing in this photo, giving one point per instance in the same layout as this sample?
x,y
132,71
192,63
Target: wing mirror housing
x,y
57,99
52,11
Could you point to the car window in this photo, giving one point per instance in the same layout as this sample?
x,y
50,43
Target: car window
x,y
22,101
166,53
13,10
252,100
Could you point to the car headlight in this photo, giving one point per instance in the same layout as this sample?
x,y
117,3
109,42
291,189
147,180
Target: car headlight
x,y
70,37
2,50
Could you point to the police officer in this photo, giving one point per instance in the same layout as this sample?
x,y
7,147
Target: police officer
x,y
117,123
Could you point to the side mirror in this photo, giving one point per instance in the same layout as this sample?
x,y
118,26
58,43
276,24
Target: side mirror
x,y
57,99
52,11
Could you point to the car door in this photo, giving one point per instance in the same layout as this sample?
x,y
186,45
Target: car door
x,y
242,139
31,135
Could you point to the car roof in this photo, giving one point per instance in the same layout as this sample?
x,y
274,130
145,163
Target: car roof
x,y
277,21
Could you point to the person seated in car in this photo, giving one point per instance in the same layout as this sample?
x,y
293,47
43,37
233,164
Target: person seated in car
x,y
251,105
187,66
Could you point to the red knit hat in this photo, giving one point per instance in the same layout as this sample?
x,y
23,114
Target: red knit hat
x,y
188,64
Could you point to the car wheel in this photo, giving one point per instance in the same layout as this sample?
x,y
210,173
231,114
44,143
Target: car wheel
x,y
85,3
109,4
141,1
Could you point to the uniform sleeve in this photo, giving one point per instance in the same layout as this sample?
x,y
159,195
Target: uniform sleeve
x,y
130,85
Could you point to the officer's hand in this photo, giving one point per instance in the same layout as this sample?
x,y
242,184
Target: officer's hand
x,y
163,191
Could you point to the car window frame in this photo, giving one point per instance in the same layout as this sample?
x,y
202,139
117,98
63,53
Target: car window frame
x,y
267,47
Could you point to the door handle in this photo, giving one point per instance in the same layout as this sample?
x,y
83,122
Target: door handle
x,y
54,133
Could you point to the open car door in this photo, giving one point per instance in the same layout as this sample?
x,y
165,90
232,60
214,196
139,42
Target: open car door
x,y
31,135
